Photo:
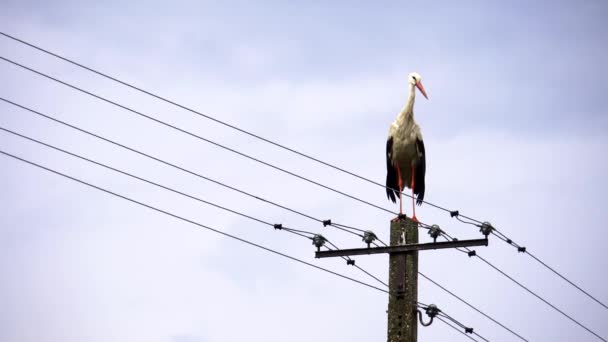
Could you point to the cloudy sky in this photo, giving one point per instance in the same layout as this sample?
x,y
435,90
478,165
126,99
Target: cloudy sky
x,y
514,129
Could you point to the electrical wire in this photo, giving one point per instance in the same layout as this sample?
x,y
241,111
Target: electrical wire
x,y
291,230
209,117
542,299
194,135
298,232
242,154
468,251
196,174
342,226
566,279
520,248
456,328
307,156
287,229
442,314
267,249
472,307
191,221
301,233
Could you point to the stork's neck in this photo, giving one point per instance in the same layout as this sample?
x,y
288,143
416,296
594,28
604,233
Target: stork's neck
x,y
407,113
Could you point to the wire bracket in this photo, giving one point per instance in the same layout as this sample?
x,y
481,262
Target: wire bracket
x,y
350,262
454,213
486,228
520,249
278,226
319,241
435,231
369,237
432,310
326,223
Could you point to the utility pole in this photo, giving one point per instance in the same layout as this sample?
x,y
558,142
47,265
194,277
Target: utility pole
x,y
403,270
403,284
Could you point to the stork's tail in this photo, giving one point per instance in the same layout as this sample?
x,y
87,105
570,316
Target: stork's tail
x,y
391,186
392,181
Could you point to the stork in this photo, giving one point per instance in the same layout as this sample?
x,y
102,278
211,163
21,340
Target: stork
x,y
405,155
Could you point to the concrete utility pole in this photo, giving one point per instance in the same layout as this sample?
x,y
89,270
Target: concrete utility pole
x,y
403,284
403,270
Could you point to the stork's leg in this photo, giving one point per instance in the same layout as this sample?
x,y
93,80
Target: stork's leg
x,y
413,204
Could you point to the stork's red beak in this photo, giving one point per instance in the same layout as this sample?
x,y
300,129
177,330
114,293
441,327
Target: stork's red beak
x,y
421,88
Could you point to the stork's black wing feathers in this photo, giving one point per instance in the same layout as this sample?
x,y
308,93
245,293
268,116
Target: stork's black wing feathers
x,y
420,172
392,183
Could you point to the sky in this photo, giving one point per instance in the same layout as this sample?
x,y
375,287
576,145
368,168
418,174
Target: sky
x,y
514,130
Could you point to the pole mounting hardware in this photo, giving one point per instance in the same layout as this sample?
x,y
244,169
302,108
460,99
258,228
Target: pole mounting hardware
x,y
435,232
431,311
369,237
319,241
486,228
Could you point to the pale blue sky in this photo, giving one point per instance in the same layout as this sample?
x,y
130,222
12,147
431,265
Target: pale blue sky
x,y
514,128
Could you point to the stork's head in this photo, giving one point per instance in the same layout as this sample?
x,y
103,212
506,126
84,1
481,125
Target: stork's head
x,y
416,79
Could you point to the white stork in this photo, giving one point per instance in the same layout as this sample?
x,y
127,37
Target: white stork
x,y
405,155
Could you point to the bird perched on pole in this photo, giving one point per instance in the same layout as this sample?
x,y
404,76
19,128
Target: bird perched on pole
x,y
405,155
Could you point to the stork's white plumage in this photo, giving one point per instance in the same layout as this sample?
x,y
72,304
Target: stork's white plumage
x,y
405,154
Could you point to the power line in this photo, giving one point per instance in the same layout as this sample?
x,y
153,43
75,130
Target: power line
x,y
542,299
276,144
298,232
295,231
473,307
457,297
524,250
244,155
456,328
509,241
216,144
566,279
194,223
198,199
346,228
191,222
371,275
291,230
460,324
434,312
472,253
196,174
209,117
